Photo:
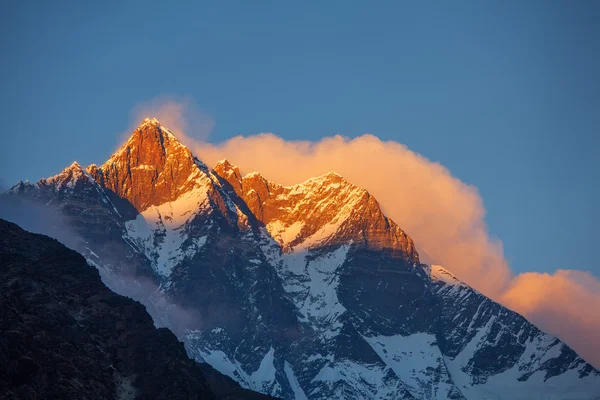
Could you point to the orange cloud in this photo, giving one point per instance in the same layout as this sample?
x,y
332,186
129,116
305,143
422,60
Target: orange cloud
x,y
566,303
444,216
179,114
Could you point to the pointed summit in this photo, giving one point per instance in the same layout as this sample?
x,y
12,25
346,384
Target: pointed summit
x,y
229,172
66,179
75,165
20,188
151,168
152,135
151,121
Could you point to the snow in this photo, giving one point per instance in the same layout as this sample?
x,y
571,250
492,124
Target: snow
x,y
160,231
67,178
285,234
293,381
219,361
327,198
348,379
439,273
312,285
321,235
414,358
146,167
540,349
152,121
263,379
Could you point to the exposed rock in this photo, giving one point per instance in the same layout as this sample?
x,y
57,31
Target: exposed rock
x,y
151,168
323,210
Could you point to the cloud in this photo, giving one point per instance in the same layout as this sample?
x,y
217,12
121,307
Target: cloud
x,y
443,215
565,303
180,114
37,218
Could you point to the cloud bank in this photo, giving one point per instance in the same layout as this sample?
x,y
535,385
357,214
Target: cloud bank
x,y
444,216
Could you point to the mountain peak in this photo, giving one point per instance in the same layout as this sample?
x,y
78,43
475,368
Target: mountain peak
x,y
229,172
20,187
67,178
322,210
332,175
150,121
226,167
75,165
152,126
151,168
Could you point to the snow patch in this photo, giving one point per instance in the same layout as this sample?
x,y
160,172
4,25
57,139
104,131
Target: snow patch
x,y
160,231
263,379
415,359
312,285
439,273
293,381
355,380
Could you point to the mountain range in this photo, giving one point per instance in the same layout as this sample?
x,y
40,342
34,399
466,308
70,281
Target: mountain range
x,y
300,292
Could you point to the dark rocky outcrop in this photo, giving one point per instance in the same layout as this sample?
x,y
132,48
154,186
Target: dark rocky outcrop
x,y
64,335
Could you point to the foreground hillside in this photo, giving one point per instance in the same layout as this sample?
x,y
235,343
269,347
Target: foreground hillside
x,y
64,335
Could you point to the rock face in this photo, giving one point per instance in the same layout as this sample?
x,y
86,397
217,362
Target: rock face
x,y
67,336
306,291
150,169
327,210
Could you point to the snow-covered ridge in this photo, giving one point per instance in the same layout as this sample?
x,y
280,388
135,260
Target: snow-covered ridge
x,y
67,178
322,210
439,273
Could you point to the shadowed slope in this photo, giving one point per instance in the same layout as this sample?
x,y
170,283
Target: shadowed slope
x,y
65,335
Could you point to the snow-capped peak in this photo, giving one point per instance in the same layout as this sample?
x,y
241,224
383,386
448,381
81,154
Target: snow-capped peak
x,y
20,187
150,121
326,209
75,165
151,168
439,273
331,175
67,178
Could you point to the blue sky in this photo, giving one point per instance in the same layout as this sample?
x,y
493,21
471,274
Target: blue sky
x,y
506,94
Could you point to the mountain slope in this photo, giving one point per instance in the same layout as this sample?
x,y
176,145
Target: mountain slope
x,y
488,346
65,335
306,291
